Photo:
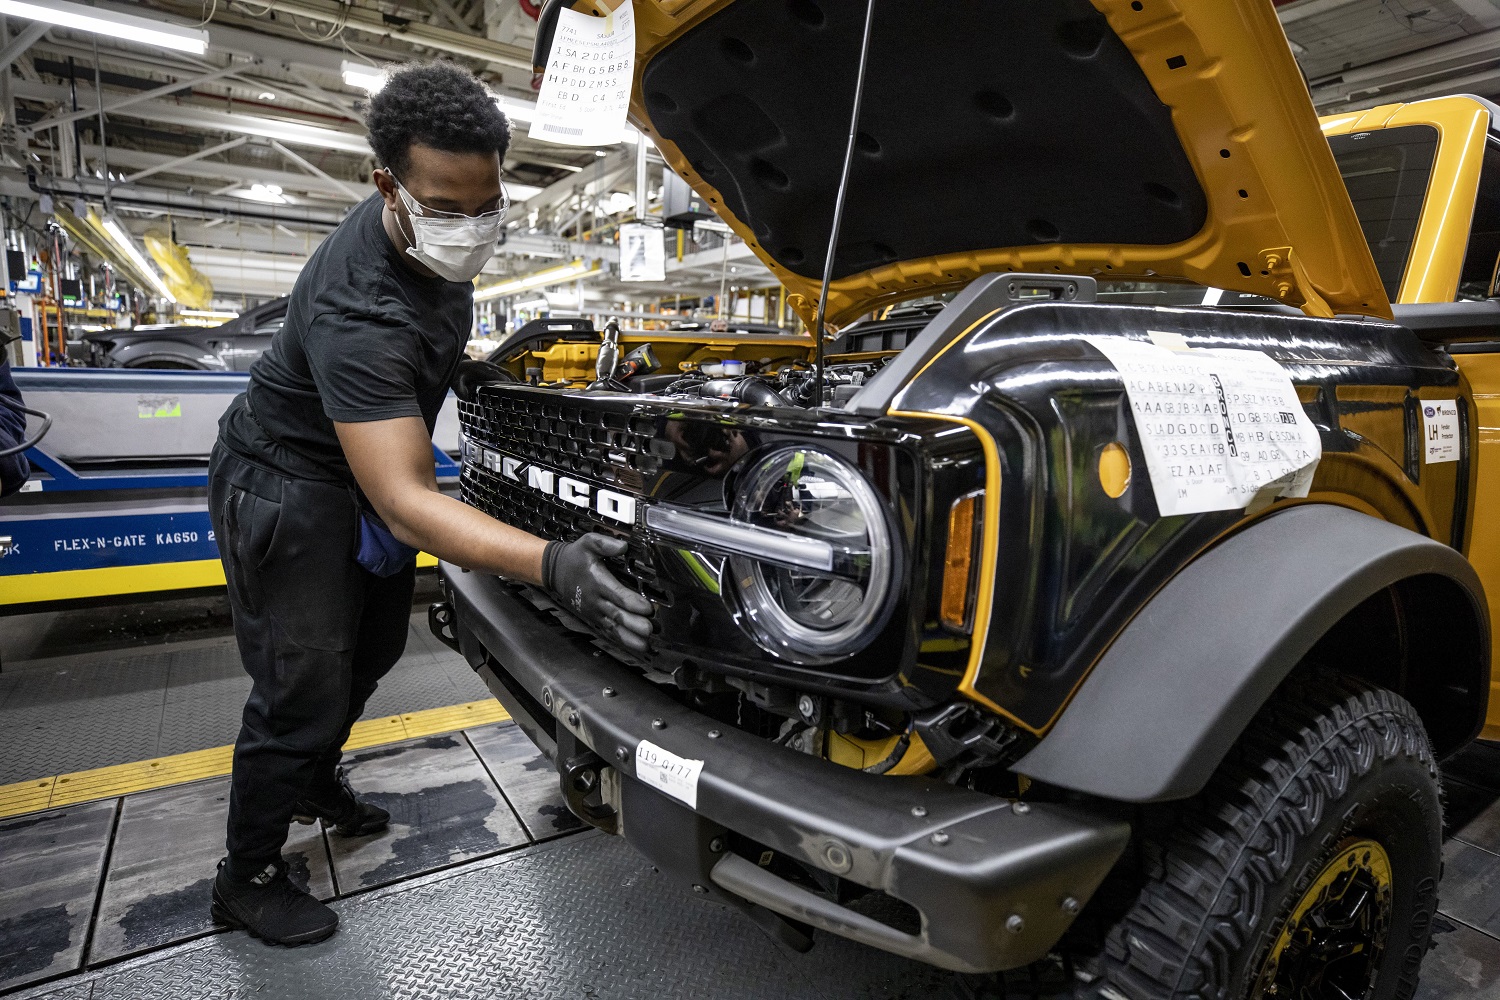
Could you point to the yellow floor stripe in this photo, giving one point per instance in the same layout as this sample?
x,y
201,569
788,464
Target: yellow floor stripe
x,y
143,775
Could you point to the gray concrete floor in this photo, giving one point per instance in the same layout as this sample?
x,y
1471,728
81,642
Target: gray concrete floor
x,y
89,694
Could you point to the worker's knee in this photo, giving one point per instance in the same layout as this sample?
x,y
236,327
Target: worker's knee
x,y
301,703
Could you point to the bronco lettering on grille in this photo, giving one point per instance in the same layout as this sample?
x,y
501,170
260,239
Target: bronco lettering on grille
x,y
607,503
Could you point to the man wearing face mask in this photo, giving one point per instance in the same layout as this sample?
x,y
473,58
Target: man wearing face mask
x,y
322,490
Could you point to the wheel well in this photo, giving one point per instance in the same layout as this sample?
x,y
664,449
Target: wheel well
x,y
1422,638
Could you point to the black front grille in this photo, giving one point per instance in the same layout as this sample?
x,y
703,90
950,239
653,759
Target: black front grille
x,y
596,443
604,443
539,513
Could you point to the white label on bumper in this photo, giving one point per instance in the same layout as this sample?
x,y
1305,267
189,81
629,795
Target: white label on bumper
x,y
667,772
1440,430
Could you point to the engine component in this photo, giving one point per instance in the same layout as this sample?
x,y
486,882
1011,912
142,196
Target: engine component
x,y
609,353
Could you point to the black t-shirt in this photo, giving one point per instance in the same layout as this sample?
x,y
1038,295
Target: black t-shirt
x,y
365,338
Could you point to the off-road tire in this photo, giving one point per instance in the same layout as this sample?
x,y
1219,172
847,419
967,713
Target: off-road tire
x,y
1329,758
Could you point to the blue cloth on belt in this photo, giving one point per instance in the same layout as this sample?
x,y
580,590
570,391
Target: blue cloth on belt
x,y
379,551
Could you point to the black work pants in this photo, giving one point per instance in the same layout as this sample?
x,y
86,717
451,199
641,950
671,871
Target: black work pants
x,y
316,633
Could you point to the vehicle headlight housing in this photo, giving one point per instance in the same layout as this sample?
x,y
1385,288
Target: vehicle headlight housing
x,y
827,599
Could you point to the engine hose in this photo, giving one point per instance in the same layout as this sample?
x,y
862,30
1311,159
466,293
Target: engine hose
x,y
46,426
746,390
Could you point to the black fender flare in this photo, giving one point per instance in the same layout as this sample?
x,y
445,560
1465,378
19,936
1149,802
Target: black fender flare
x,y
1173,693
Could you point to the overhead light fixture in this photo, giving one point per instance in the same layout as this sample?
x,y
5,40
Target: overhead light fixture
x,y
364,76
537,279
126,27
222,314
127,246
265,95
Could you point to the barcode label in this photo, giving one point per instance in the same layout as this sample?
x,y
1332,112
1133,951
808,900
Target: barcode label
x,y
561,129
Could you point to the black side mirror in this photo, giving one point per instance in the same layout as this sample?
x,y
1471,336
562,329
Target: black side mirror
x,y
546,29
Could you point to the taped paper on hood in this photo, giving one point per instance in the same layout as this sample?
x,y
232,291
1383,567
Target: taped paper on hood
x,y
585,93
1220,428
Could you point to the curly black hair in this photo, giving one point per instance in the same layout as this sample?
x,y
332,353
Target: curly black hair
x,y
438,105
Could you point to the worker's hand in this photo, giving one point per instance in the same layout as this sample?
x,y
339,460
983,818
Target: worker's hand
x,y
472,374
576,575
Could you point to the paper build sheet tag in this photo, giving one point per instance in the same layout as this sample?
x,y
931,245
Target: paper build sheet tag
x,y
586,91
1217,426
643,254
1440,430
667,772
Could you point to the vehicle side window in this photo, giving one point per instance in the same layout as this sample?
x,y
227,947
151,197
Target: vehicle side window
x,y
1386,172
269,327
1478,276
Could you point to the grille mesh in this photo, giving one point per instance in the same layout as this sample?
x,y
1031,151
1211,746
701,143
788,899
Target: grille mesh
x,y
566,435
598,444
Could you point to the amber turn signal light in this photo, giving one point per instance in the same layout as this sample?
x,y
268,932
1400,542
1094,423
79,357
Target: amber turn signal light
x,y
958,566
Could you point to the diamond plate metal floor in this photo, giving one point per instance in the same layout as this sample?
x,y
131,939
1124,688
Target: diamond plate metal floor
x,y
484,886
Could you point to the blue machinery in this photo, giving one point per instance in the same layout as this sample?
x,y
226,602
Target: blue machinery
x,y
117,503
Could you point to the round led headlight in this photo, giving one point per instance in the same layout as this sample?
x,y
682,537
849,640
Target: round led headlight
x,y
823,590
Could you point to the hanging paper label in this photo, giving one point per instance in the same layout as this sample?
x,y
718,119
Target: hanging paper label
x,y
1440,430
643,254
1219,427
586,91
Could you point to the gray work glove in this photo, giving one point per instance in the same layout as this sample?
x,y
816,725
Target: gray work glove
x,y
576,575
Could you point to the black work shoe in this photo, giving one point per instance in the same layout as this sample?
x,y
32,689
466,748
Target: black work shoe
x,y
342,811
271,907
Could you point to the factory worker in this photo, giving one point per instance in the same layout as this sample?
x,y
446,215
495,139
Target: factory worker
x,y
322,489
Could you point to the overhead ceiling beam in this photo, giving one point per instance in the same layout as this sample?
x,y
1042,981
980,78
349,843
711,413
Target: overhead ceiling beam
x,y
21,42
216,170
373,22
612,169
118,104
1486,12
198,117
181,160
317,171
1292,13
452,16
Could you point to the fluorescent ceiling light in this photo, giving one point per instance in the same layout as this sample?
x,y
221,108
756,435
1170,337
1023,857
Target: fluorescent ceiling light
x,y
209,314
364,76
538,279
127,27
269,194
127,246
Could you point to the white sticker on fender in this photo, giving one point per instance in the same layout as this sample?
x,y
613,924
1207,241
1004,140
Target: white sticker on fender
x,y
1218,427
1440,430
667,772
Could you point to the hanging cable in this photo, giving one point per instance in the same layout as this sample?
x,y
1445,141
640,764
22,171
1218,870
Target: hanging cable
x,y
838,206
46,419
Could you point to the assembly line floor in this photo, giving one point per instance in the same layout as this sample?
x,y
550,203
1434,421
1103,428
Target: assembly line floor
x,y
484,886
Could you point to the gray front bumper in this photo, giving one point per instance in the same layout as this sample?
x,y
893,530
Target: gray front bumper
x,y
996,885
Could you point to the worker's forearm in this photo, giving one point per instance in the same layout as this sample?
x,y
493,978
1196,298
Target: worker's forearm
x,y
457,533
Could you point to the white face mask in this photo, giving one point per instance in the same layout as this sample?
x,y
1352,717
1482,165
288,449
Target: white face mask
x,y
455,247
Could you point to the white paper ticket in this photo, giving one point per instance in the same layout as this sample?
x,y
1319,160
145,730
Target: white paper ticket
x,y
1218,427
1440,430
667,772
585,93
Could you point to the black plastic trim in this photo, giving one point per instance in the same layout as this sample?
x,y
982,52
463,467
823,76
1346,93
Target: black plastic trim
x,y
1179,685
968,861
978,299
